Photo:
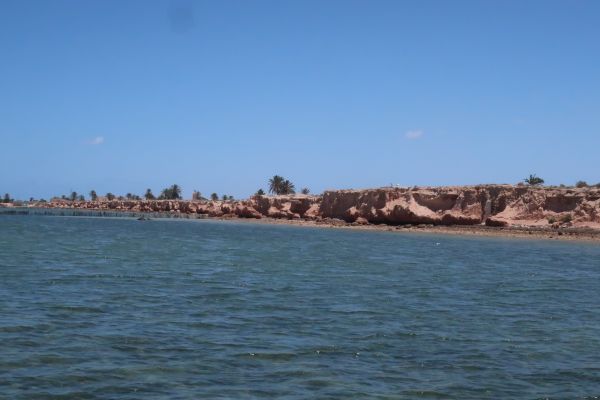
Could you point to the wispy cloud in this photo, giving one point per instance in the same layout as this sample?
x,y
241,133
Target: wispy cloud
x,y
413,135
98,140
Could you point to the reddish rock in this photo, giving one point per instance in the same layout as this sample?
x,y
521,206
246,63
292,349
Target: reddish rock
x,y
361,221
496,205
495,222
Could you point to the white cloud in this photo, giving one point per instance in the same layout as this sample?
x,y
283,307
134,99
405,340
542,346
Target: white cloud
x,y
97,141
413,135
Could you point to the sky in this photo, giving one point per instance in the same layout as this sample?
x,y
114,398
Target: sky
x,y
218,96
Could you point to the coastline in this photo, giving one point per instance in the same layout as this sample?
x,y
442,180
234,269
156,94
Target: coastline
x,y
483,210
523,232
578,235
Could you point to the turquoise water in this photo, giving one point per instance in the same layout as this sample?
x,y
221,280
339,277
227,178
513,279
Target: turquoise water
x,y
101,308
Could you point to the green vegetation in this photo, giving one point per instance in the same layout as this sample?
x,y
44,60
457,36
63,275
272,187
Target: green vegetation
x,y
110,196
305,190
93,195
534,180
6,198
260,192
279,185
81,197
288,187
551,220
73,196
196,195
148,195
275,184
214,197
581,184
171,193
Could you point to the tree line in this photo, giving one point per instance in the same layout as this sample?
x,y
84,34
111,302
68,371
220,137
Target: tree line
x,y
172,192
278,185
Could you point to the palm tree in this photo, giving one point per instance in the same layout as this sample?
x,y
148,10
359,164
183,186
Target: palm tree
x,y
171,193
214,197
81,197
225,197
305,190
260,192
129,196
534,180
196,195
93,195
73,196
148,195
287,187
275,184
110,196
176,192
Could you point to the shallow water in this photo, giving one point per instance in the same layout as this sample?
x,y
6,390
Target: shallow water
x,y
99,308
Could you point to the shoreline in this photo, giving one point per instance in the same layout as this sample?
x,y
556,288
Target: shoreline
x,y
482,210
576,234
525,232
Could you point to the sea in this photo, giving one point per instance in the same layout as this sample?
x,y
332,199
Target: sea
x,y
118,308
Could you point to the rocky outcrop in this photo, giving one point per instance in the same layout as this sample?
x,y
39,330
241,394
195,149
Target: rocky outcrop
x,y
495,205
492,205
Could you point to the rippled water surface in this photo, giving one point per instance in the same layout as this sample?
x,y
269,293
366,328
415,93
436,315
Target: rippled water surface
x,y
99,308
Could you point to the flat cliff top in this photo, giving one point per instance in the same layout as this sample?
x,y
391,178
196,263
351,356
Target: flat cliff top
x,y
469,187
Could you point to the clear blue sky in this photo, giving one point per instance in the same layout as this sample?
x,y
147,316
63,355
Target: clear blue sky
x,y
218,96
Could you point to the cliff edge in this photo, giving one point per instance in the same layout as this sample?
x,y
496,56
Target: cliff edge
x,y
492,205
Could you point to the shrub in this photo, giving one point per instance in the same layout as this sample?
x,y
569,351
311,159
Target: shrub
x,y
551,219
534,180
581,184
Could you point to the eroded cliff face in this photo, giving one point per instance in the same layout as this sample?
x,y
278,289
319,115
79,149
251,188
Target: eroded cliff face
x,y
494,205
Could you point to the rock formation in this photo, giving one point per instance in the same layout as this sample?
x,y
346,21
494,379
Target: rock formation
x,y
493,205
